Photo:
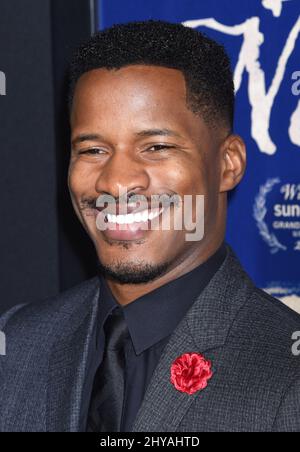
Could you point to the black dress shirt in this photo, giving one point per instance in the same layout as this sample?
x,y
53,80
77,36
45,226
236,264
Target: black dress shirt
x,y
151,319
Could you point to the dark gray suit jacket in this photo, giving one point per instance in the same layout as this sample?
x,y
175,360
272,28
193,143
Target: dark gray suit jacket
x,y
244,332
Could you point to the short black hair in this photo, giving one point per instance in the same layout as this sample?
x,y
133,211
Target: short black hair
x,y
204,63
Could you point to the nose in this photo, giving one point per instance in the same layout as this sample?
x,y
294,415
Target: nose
x,y
122,173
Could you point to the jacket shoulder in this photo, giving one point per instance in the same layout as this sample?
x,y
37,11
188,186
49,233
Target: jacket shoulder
x,y
275,310
266,327
50,308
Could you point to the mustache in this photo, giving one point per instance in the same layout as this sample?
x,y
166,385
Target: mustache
x,y
161,200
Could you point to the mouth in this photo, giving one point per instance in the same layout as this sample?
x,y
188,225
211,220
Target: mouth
x,y
130,226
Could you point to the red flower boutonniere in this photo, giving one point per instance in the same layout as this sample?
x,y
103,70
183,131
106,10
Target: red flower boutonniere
x,y
190,373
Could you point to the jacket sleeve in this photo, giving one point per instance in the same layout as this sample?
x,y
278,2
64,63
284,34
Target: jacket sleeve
x,y
288,416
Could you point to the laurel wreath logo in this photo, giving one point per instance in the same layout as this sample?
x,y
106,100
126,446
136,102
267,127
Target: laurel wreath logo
x,y
260,211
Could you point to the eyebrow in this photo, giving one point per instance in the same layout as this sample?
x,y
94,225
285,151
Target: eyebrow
x,y
143,134
86,137
161,132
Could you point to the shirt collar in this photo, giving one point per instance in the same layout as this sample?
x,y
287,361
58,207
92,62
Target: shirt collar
x,y
154,316
107,303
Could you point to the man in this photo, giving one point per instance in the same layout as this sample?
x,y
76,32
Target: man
x,y
172,335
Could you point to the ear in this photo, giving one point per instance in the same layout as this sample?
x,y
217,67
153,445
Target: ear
x,y
233,162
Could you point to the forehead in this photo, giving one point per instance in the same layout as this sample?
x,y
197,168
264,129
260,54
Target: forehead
x,y
135,96
132,79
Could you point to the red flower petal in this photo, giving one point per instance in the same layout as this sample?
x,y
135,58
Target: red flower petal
x,y
190,373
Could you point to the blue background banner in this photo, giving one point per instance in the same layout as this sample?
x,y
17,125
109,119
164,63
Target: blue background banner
x,y
262,38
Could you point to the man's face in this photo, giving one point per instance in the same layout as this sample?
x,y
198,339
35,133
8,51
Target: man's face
x,y
117,116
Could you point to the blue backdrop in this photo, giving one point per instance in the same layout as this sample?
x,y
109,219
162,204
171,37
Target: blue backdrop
x,y
262,38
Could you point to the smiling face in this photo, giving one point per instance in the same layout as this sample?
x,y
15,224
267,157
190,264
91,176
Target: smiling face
x,y
133,131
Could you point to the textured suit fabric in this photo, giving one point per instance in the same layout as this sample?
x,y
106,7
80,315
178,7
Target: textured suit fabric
x,y
151,319
244,332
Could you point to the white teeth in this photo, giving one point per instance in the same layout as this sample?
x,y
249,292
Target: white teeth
x,y
133,218
145,216
111,218
130,218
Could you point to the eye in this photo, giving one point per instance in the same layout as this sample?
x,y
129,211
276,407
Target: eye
x,y
159,148
92,151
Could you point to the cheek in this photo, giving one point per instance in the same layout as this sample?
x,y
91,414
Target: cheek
x,y
188,178
193,178
80,179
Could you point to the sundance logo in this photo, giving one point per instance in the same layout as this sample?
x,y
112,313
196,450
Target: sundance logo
x,y
2,84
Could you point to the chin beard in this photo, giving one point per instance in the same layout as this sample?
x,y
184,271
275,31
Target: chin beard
x,y
138,273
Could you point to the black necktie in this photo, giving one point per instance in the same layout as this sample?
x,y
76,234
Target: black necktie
x,y
106,406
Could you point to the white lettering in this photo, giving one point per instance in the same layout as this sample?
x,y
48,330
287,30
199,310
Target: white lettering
x,y
296,345
261,99
2,344
2,84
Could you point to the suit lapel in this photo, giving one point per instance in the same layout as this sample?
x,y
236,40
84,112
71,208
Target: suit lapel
x,y
164,407
204,328
67,366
